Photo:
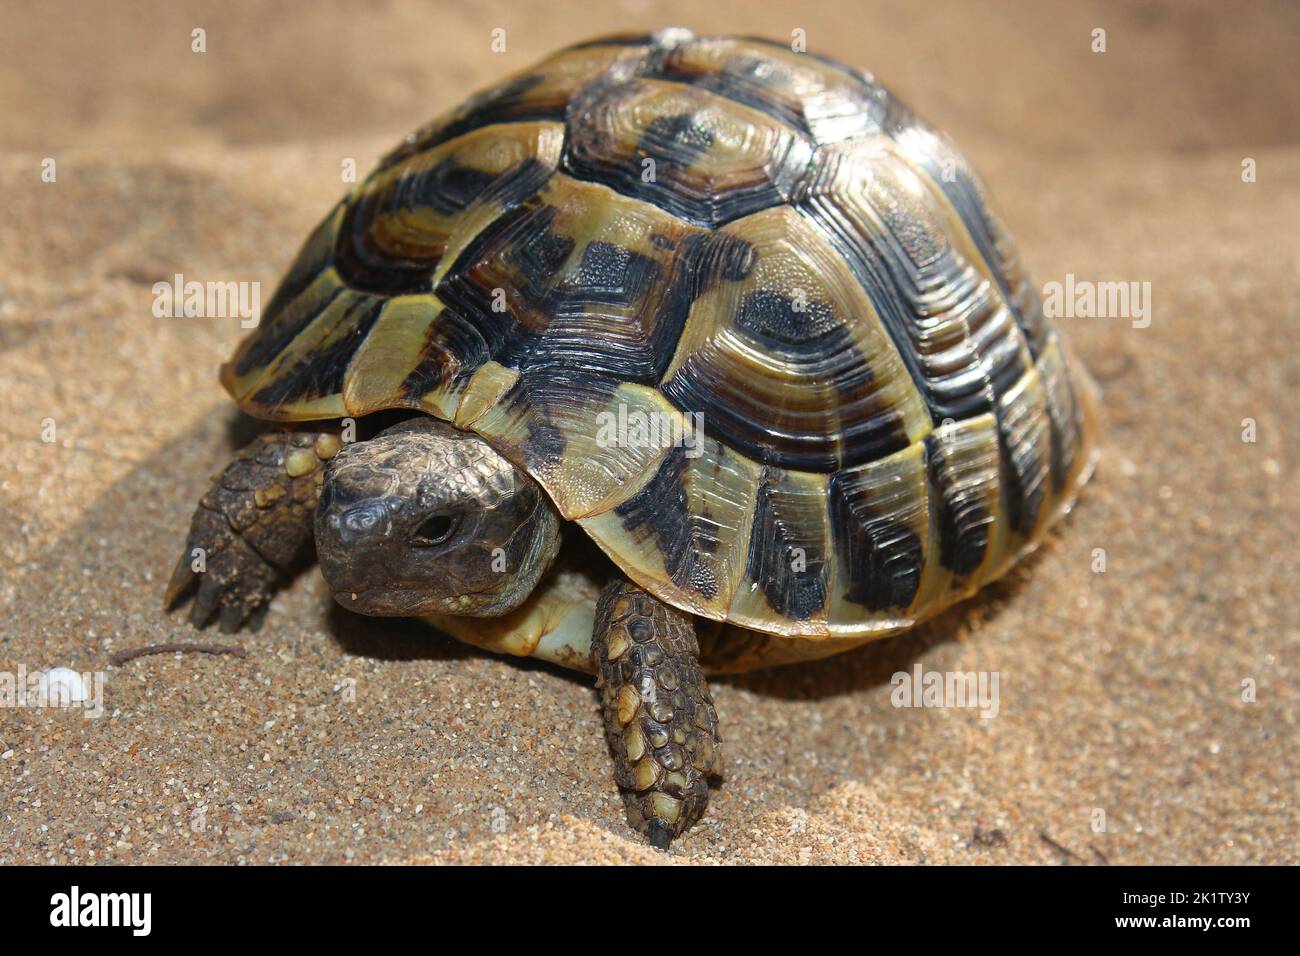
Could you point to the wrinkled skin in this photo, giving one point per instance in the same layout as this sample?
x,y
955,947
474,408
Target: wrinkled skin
x,y
425,519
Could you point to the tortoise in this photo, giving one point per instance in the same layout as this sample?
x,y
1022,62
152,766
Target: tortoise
x,y
670,355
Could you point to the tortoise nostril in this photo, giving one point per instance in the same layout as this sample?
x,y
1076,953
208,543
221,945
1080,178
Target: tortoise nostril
x,y
363,520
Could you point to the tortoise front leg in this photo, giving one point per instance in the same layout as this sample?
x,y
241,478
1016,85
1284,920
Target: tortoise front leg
x,y
249,527
659,717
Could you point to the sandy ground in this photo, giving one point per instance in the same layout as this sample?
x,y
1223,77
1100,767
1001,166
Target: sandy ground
x,y
1122,735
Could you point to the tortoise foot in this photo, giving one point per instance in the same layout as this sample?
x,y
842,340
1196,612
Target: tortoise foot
x,y
659,717
249,528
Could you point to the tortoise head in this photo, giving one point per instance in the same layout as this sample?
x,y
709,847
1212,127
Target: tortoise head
x,y
424,519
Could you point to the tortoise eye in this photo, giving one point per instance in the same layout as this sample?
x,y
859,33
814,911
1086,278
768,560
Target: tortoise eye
x,y
434,531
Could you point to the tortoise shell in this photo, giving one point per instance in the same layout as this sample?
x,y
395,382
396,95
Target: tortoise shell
x,y
717,231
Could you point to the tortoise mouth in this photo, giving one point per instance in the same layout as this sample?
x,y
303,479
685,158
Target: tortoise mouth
x,y
387,601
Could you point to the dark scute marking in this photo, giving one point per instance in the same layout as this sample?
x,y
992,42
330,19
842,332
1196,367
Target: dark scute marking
x,y
505,103
747,80
545,445
307,265
821,346
676,139
963,524
781,523
321,372
603,317
274,339
881,275
771,318
517,184
373,270
661,509
563,346
538,260
841,442
1023,301
454,348
1061,456
618,39
1063,417
823,112
611,275
274,336
450,187
719,256
520,241
1060,451
596,154
1007,366
613,279
881,558
547,397
1024,495
368,270
497,113
705,259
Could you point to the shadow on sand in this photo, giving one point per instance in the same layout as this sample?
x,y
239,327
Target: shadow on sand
x,y
395,639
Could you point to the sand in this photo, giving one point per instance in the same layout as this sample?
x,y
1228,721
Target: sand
x,y
1122,734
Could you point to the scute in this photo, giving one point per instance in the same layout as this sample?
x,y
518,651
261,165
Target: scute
x,y
402,220
925,276
702,157
751,324
687,523
789,563
788,361
540,92
824,101
881,517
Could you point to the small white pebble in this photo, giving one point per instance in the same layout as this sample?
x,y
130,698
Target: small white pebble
x,y
63,685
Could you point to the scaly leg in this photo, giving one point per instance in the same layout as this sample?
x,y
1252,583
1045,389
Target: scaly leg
x,y
659,717
250,526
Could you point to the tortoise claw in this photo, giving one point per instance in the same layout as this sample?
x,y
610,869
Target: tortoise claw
x,y
236,583
232,617
659,834
205,602
249,527
180,583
